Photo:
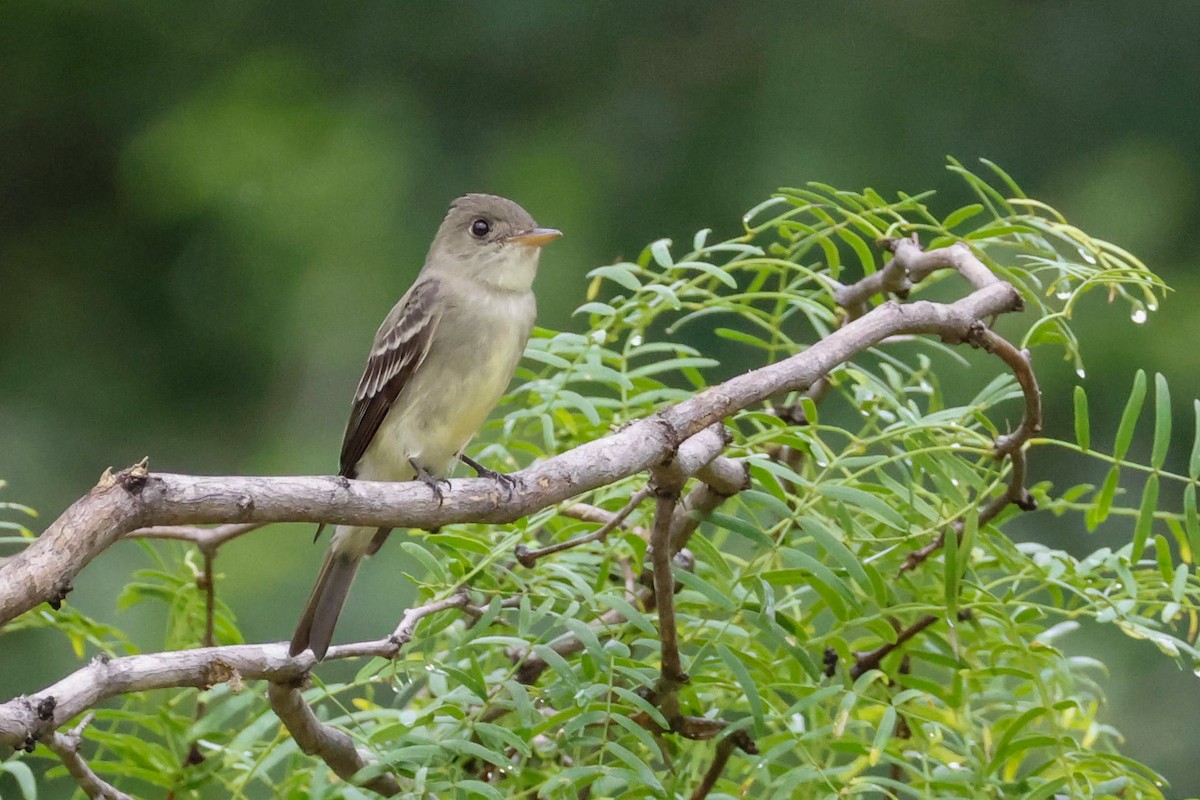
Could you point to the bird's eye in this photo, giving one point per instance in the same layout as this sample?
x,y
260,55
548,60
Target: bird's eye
x,y
480,228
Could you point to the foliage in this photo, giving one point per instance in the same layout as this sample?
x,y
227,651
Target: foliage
x,y
795,581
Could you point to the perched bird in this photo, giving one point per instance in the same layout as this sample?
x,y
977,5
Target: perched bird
x,y
440,361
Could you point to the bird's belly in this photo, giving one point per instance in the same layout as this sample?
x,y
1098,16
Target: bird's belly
x,y
438,412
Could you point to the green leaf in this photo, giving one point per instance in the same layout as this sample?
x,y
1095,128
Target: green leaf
x,y
661,251
1129,417
640,767
1083,434
1191,520
596,307
503,735
479,788
716,597
1145,518
627,610
969,535
741,527
1162,551
749,687
835,549
710,270
823,581
1104,499
433,567
887,726
960,216
560,665
1048,789
870,503
621,274
866,256
1194,461
24,777
709,555
1004,748
1162,421
743,338
951,573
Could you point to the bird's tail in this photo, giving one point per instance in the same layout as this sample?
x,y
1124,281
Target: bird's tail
x,y
315,629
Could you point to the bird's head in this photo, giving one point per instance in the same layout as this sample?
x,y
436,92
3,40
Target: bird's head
x,y
491,239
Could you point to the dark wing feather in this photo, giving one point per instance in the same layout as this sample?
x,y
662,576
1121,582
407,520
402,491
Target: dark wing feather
x,y
400,346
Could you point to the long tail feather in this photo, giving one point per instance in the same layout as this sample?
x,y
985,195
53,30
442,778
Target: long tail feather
x,y
315,629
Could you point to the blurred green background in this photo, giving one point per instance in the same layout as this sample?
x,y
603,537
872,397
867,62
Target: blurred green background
x,y
206,209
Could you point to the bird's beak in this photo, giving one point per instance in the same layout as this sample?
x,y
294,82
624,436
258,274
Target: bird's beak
x,y
538,237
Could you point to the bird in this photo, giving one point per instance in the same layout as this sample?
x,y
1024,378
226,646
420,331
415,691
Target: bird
x,y
439,364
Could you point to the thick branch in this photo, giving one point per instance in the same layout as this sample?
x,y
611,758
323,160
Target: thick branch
x,y
315,738
134,498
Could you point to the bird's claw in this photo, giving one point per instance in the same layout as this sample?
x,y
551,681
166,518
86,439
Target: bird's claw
x,y
505,481
434,483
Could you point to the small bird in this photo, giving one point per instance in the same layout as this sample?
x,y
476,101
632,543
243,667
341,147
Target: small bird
x,y
440,362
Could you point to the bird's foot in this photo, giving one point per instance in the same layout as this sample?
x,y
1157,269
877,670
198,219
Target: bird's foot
x,y
506,482
432,481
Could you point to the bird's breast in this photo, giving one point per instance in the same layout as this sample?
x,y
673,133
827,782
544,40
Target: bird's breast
x,y
470,363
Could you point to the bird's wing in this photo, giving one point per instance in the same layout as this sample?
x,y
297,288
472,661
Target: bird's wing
x,y
400,346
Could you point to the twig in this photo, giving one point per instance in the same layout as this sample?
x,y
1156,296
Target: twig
x,y
208,585
1009,445
586,512
724,750
206,582
701,729
703,499
529,558
1018,362
205,538
871,659
867,660
66,747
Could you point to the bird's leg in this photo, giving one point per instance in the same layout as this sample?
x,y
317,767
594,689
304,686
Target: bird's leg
x,y
430,480
508,482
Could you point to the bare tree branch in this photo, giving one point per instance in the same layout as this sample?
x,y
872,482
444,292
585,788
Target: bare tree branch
x,y
134,498
315,738
664,587
26,720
